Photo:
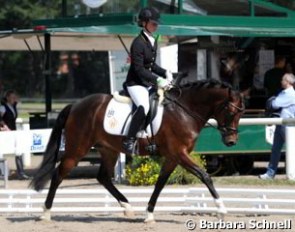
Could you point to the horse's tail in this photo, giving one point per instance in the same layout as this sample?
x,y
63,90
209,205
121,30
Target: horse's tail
x,y
50,157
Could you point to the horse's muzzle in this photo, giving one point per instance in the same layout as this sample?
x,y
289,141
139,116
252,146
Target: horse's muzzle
x,y
230,140
230,143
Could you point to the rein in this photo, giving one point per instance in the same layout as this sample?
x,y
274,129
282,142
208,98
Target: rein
x,y
223,128
189,112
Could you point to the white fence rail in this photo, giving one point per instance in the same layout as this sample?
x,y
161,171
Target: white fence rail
x,y
30,141
194,200
290,137
35,141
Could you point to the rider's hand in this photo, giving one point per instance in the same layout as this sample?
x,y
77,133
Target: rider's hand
x,y
163,83
169,75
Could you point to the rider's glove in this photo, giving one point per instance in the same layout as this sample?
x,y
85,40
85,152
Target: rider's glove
x,y
169,75
162,83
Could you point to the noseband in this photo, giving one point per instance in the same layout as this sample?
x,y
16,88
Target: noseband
x,y
225,128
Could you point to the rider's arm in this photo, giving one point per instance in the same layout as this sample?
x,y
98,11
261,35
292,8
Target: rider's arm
x,y
284,99
158,70
137,59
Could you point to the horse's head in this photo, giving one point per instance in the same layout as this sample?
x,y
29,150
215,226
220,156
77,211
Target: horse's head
x,y
227,115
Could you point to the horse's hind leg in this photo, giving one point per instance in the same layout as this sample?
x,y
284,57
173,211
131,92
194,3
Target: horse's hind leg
x,y
59,174
108,162
166,170
190,166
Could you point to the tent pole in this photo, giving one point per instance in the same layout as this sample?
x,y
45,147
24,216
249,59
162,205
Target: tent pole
x,y
64,8
143,3
180,6
47,72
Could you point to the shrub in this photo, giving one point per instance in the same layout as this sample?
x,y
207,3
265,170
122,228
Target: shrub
x,y
181,176
145,171
142,171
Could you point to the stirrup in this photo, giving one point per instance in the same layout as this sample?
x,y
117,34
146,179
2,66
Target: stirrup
x,y
151,148
129,146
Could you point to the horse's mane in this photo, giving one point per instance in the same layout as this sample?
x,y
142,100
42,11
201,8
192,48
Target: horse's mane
x,y
206,84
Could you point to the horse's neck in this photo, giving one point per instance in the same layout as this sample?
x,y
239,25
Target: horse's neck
x,y
204,101
192,107
195,99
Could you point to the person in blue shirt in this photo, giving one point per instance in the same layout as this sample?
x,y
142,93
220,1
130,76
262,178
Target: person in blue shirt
x,y
285,101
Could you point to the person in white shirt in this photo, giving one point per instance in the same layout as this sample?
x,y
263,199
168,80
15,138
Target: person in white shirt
x,y
285,101
8,113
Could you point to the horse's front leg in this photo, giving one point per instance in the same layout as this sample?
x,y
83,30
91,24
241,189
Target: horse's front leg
x,y
166,170
193,168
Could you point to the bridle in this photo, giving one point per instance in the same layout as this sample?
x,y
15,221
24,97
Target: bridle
x,y
224,129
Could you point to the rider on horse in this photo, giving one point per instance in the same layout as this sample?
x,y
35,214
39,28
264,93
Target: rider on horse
x,y
144,72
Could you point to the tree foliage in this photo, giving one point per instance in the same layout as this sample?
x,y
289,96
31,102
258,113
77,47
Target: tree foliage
x,y
23,71
20,13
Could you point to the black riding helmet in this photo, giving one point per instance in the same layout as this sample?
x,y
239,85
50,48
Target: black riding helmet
x,y
148,14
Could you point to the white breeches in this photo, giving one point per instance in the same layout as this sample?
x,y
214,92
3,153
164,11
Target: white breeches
x,y
140,96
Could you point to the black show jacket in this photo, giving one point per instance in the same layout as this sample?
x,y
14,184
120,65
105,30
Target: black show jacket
x,y
9,118
143,63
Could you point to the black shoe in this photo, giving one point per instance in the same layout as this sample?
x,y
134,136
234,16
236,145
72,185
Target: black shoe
x,y
24,177
151,149
129,145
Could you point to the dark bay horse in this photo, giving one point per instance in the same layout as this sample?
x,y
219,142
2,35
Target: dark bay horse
x,y
186,112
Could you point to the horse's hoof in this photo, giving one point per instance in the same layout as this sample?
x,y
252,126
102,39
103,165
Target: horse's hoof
x,y
148,221
45,218
150,218
128,212
222,211
46,215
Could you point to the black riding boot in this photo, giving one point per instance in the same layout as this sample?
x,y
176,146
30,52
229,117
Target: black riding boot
x,y
20,168
136,122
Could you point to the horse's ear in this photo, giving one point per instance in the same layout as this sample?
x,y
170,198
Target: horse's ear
x,y
178,77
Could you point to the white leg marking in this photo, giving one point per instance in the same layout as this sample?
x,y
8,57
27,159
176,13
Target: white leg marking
x,y
46,214
129,212
221,208
149,218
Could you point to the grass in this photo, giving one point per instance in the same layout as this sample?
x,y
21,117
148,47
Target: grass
x,y
251,181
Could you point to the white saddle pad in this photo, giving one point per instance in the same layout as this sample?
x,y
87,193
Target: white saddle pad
x,y
118,117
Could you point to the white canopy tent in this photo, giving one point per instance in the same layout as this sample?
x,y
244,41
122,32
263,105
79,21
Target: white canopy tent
x,y
62,41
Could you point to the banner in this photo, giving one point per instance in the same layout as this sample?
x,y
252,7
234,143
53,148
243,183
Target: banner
x,y
26,141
